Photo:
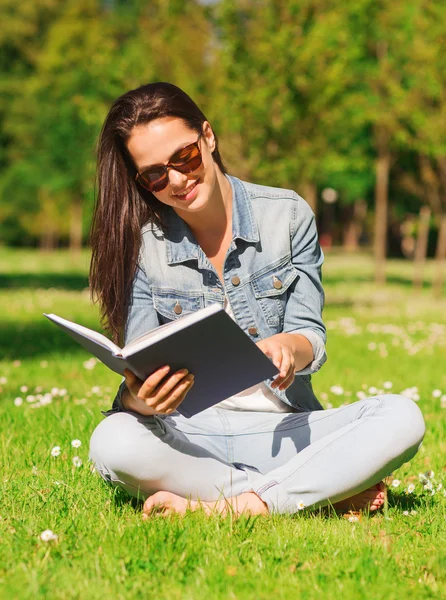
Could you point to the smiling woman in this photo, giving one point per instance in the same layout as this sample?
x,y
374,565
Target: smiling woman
x,y
174,232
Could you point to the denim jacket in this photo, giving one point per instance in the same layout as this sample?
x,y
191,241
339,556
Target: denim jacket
x,y
272,277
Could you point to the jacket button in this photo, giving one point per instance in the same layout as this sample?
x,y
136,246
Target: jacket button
x,y
235,280
277,283
178,309
253,331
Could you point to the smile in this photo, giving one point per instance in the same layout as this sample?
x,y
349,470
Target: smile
x,y
188,190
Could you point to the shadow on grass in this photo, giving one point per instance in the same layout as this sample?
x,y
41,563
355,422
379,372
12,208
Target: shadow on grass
x,y
20,340
65,281
404,502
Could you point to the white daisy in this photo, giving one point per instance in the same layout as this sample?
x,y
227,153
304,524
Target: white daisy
x,y
410,488
353,518
55,451
18,401
396,483
23,389
48,536
337,390
90,364
77,462
436,394
406,513
387,385
300,505
76,443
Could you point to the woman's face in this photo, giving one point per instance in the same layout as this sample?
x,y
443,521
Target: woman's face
x,y
156,142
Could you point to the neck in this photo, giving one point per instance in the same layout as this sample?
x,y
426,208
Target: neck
x,y
216,216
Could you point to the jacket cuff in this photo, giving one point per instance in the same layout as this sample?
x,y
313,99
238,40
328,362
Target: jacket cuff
x,y
319,354
117,402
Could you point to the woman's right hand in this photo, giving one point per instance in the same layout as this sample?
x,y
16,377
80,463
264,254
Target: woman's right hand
x,y
159,393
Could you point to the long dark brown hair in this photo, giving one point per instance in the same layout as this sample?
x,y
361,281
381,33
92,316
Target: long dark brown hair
x,y
122,207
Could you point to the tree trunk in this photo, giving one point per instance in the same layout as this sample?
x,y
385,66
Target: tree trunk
x,y
353,229
421,247
381,208
310,195
440,260
47,240
76,225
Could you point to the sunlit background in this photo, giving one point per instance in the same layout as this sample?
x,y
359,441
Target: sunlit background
x,y
343,102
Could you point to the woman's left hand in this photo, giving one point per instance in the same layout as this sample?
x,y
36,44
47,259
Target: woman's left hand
x,y
279,349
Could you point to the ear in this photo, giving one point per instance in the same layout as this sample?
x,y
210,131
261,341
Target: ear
x,y
208,136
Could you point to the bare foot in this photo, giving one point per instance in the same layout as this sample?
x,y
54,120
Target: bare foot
x,y
166,503
371,499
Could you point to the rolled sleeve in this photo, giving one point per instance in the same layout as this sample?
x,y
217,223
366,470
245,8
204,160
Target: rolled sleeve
x,y
319,353
303,313
141,318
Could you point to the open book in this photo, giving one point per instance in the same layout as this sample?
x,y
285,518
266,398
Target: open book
x,y
224,360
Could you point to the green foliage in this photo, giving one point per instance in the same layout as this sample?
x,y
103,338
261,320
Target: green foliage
x,y
302,92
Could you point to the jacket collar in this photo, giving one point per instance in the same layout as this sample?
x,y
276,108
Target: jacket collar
x,y
181,244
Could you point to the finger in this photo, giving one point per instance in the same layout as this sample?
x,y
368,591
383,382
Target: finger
x,y
276,355
132,382
152,382
278,363
288,381
177,403
286,366
165,388
176,396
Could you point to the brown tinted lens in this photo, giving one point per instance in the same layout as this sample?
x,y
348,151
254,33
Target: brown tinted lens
x,y
186,160
154,180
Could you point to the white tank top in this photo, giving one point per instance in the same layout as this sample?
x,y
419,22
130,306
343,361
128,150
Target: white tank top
x,y
256,398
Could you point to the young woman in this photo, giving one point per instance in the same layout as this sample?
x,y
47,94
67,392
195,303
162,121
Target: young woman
x,y
172,233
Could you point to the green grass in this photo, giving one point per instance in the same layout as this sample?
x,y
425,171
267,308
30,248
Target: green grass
x,y
103,547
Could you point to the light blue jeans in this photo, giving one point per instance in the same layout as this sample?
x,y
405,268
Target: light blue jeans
x,y
287,459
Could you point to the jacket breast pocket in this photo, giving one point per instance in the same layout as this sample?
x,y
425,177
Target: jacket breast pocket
x,y
172,304
272,288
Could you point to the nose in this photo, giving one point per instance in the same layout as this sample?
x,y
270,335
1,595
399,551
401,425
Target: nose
x,y
176,179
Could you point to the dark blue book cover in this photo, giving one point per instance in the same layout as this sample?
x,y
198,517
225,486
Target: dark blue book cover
x,y
223,359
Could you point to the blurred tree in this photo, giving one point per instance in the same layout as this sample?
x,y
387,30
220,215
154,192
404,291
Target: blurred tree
x,y
93,52
282,72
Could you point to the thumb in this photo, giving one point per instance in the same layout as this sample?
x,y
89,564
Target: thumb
x,y
129,377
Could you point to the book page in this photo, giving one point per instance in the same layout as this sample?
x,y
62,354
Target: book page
x,y
86,332
167,329
146,336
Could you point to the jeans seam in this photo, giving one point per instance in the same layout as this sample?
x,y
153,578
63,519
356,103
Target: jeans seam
x,y
227,436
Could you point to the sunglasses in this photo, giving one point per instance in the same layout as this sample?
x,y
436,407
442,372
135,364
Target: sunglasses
x,y
186,160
